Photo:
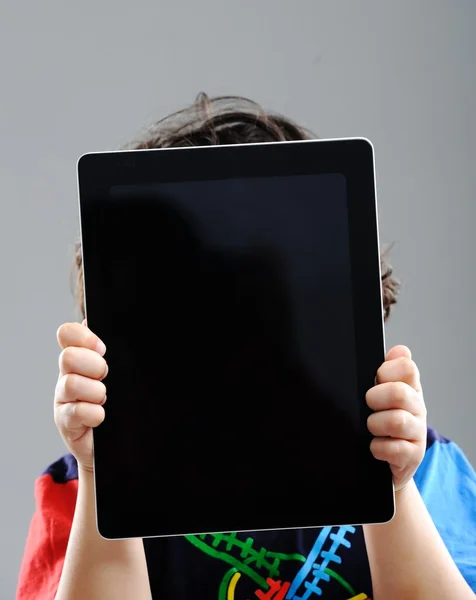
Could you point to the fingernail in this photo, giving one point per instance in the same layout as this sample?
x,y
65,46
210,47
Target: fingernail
x,y
106,372
101,348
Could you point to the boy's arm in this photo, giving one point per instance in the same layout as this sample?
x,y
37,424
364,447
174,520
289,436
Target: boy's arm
x,y
99,569
93,568
408,558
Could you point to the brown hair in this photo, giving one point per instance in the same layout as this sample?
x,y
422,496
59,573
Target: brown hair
x,y
218,121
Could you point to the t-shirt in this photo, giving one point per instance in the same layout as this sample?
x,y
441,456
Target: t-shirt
x,y
328,563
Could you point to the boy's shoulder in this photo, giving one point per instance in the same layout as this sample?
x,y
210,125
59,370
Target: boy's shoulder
x,y
442,453
433,436
56,489
62,470
445,467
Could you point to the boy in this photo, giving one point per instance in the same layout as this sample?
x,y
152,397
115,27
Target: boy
x,y
414,556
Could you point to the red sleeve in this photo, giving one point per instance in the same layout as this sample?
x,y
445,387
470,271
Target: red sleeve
x,y
47,539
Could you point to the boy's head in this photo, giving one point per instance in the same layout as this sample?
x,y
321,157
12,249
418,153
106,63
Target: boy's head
x,y
219,121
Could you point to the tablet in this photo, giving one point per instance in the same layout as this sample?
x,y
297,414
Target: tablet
x,y
238,292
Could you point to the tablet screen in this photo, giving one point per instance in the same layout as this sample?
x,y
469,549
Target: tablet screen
x,y
227,309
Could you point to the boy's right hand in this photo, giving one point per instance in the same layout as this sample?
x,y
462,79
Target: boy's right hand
x,y
80,393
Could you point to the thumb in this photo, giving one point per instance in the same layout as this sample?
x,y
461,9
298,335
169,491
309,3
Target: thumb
x,y
398,352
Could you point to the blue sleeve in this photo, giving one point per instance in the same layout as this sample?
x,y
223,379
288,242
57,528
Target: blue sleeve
x,y
447,484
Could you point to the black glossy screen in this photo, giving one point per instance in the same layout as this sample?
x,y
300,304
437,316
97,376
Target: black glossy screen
x,y
233,398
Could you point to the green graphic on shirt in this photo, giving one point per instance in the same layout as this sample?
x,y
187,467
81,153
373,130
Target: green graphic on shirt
x,y
263,559
259,565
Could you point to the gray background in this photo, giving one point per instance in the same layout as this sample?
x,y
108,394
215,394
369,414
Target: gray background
x,y
88,75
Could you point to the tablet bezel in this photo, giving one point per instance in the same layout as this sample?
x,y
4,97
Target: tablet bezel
x,y
97,172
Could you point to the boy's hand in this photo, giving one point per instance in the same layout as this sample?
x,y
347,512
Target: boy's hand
x,y
399,420
80,393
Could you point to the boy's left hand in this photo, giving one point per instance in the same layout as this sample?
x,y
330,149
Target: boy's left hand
x,y
399,420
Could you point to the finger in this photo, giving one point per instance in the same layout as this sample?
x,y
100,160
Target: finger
x,y
82,361
400,369
73,387
398,352
398,453
396,394
396,424
75,334
75,418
